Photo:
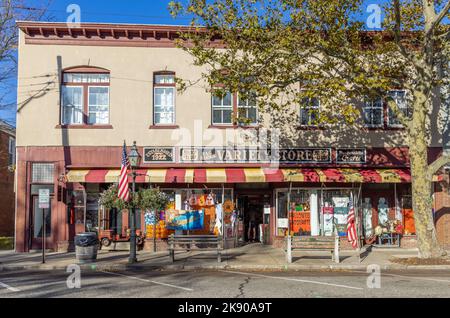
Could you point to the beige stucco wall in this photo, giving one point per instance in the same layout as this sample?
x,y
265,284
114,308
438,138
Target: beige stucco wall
x,y
131,102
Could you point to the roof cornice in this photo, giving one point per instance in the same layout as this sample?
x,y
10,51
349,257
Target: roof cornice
x,y
103,34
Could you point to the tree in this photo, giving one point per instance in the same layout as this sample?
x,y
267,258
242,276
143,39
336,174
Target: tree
x,y
287,50
10,12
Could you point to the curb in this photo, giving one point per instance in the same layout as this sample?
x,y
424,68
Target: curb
x,y
168,268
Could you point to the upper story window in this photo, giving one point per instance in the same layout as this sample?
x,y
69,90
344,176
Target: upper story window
x,y
11,151
233,108
309,111
247,109
222,108
85,96
373,112
164,90
399,96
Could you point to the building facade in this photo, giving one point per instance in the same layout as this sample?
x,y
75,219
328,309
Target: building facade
x,y
83,91
7,166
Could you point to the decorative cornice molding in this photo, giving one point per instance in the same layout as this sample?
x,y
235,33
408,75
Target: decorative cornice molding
x,y
100,34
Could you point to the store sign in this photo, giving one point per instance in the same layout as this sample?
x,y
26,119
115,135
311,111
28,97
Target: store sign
x,y
44,198
158,154
351,155
245,155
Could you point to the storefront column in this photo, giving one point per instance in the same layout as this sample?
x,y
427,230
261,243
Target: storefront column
x,y
315,228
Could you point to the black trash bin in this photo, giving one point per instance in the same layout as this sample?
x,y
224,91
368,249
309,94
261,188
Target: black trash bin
x,y
86,246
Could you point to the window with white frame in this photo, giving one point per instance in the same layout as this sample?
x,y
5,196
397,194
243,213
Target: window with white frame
x,y
164,99
373,112
72,105
400,98
98,105
85,97
309,111
222,108
11,151
247,109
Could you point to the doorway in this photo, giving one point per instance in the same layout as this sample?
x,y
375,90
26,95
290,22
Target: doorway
x,y
255,222
37,225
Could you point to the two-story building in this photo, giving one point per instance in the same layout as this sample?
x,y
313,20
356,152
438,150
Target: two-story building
x,y
84,90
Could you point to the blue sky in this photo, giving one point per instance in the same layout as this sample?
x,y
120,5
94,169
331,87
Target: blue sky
x,y
115,11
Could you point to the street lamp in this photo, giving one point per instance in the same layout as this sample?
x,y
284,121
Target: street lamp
x,y
135,159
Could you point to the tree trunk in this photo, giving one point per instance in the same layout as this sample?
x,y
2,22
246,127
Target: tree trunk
x,y
422,189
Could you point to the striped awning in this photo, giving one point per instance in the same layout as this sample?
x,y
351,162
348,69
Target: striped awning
x,y
248,175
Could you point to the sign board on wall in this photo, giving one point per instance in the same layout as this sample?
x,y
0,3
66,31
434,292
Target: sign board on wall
x,y
159,154
246,155
347,155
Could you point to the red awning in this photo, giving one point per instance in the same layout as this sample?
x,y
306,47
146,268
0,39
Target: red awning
x,y
249,175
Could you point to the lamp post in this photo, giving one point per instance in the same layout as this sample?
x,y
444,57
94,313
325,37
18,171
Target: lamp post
x,y
135,158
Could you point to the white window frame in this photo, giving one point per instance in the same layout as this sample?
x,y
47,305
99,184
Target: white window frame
x,y
309,124
63,106
155,87
89,105
247,107
371,108
389,111
222,108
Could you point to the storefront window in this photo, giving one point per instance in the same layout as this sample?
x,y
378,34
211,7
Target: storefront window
x,y
92,211
335,207
299,216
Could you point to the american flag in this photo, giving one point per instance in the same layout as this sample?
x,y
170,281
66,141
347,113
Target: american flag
x,y
351,226
124,192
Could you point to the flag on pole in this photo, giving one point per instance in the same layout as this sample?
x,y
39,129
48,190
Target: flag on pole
x,y
124,191
351,226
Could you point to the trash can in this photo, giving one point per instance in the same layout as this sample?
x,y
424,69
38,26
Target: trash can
x,y
86,246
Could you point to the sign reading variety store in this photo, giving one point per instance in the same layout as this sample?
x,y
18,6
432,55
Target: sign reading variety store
x,y
248,155
243,155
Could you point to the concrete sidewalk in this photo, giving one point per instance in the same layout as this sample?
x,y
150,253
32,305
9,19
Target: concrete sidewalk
x,y
252,257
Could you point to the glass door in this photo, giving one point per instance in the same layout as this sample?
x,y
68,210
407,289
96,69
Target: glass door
x,y
38,217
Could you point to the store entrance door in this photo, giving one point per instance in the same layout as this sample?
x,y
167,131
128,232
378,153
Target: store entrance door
x,y
256,223
37,225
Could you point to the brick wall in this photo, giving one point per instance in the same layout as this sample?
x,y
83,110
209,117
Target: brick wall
x,y
442,213
6,189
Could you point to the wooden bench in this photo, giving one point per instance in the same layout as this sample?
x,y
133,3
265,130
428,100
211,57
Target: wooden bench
x,y
313,243
195,242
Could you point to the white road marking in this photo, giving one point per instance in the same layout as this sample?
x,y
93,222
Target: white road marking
x,y
411,277
295,280
13,289
149,281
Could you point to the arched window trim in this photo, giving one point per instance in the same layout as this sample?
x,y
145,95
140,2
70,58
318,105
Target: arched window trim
x,y
85,69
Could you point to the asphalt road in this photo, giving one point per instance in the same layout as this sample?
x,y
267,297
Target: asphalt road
x,y
223,284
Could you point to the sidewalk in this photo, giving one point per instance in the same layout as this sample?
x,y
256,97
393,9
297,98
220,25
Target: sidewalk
x,y
253,257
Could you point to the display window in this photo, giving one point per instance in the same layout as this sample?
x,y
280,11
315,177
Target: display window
x,y
312,212
294,213
335,208
212,208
